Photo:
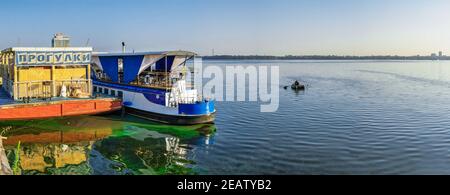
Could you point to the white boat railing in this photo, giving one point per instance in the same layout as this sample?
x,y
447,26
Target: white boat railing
x,y
190,97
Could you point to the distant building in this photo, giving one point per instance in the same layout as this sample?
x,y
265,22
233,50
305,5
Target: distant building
x,y
60,40
440,54
433,55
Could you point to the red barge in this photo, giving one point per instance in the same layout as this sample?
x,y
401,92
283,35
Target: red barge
x,y
59,108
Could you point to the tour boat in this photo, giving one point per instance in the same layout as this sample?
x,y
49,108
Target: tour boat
x,y
157,86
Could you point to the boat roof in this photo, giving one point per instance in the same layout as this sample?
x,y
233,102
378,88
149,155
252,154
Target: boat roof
x,y
168,53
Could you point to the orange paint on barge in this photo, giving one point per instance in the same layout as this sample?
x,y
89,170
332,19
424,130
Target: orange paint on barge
x,y
59,108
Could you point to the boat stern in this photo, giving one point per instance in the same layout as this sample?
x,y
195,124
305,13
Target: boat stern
x,y
205,107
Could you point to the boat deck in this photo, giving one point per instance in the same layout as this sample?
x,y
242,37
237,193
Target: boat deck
x,y
134,84
6,100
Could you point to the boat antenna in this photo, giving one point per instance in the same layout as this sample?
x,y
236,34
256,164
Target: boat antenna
x,y
87,42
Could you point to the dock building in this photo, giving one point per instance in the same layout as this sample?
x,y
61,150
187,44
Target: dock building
x,y
46,72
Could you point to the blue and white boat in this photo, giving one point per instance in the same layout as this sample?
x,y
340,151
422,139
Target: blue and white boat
x,y
157,86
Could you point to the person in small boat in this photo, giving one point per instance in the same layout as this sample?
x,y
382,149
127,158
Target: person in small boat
x,y
297,86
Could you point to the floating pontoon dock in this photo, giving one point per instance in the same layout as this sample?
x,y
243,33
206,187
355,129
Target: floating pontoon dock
x,y
57,107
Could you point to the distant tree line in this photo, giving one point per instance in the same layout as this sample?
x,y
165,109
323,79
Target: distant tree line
x,y
321,57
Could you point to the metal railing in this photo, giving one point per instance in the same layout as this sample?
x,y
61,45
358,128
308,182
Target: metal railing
x,y
47,88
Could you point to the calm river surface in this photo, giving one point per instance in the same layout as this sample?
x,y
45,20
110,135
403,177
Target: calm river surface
x,y
355,117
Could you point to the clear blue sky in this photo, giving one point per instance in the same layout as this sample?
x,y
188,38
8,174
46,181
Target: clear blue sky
x,y
271,27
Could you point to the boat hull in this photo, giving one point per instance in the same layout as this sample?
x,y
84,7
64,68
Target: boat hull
x,y
150,104
59,109
172,119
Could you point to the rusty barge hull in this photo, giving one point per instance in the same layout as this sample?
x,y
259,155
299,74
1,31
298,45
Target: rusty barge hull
x,y
60,108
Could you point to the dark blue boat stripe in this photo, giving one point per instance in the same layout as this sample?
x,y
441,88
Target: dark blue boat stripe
x,y
131,88
153,95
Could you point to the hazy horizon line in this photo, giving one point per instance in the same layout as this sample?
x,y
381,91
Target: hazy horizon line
x,y
327,55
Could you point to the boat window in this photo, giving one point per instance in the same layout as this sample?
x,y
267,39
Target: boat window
x,y
120,94
100,90
113,92
95,88
106,91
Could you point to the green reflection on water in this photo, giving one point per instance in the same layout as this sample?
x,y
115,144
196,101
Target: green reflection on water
x,y
101,145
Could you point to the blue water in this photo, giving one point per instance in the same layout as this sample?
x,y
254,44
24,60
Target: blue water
x,y
355,117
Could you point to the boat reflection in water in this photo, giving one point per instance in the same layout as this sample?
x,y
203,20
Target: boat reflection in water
x,y
101,145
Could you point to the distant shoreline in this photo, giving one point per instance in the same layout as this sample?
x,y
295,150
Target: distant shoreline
x,y
317,57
